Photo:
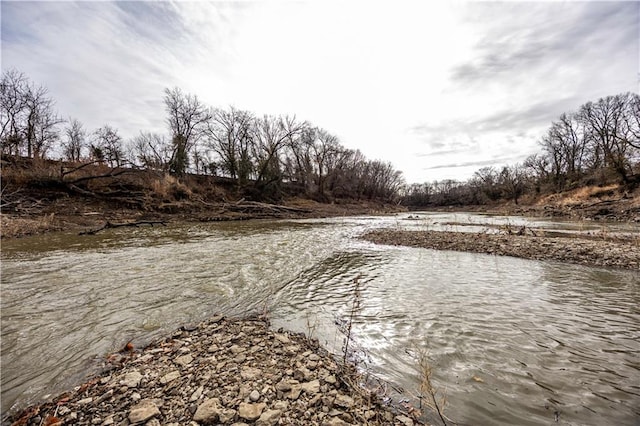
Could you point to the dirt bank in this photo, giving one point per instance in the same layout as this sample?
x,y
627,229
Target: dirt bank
x,y
219,372
80,216
593,203
593,251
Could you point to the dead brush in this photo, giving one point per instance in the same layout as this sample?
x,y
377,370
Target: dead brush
x,y
429,395
168,187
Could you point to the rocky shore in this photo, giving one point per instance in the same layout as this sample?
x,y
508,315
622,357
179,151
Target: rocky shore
x,y
594,251
221,371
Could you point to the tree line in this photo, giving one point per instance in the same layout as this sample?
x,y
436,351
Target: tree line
x,y
261,153
597,144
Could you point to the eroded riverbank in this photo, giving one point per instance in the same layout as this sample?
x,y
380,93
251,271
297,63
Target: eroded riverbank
x,y
221,371
617,253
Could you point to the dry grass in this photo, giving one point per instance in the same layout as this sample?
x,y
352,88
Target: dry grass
x,y
11,226
170,188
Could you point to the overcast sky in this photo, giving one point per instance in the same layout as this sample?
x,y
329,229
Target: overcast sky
x,y
438,88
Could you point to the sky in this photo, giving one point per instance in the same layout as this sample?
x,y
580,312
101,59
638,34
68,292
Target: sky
x,y
438,88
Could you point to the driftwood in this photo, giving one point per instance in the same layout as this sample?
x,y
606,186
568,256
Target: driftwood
x,y
243,206
110,225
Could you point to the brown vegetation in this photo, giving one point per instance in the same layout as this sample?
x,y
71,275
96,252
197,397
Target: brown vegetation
x,y
598,146
45,195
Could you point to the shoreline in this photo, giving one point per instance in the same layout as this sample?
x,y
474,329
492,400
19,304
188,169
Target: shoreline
x,y
65,220
598,252
220,371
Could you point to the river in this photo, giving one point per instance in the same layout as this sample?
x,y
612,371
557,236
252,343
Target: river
x,y
510,341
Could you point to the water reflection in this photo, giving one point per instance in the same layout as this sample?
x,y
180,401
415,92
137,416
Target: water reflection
x,y
512,341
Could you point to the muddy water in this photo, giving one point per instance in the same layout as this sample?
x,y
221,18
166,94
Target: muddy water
x,y
511,341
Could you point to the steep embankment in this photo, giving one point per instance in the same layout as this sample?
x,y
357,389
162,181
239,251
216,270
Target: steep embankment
x,y
51,197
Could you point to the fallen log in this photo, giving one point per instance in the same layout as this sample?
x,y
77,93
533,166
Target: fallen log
x,y
110,225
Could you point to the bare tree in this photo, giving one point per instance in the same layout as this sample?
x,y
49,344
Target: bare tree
x,y
604,122
187,120
107,146
325,148
512,181
487,181
27,116
12,110
41,121
151,151
270,135
230,136
75,140
298,161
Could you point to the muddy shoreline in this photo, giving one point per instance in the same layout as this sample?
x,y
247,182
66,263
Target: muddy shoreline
x,y
600,252
220,371
86,218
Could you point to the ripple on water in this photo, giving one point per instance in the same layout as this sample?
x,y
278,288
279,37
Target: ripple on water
x,y
512,341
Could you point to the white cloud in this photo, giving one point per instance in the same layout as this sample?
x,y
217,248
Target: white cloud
x,y
394,79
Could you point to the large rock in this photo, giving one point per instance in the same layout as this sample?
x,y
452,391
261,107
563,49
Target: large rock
x,y
335,421
251,412
269,418
208,411
344,401
184,360
169,377
312,387
250,373
143,412
406,421
131,379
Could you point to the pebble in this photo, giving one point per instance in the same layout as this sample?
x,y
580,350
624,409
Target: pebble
x,y
257,377
131,379
143,412
254,396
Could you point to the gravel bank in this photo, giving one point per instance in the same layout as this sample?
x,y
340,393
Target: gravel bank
x,y
623,254
222,371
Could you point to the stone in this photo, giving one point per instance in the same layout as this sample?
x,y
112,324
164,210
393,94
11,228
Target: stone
x,y
107,422
344,401
281,405
254,396
282,338
227,415
131,379
294,393
311,387
142,412
85,401
169,377
208,411
283,386
184,360
235,349
153,422
251,412
335,421
330,379
196,394
269,418
250,373
406,421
